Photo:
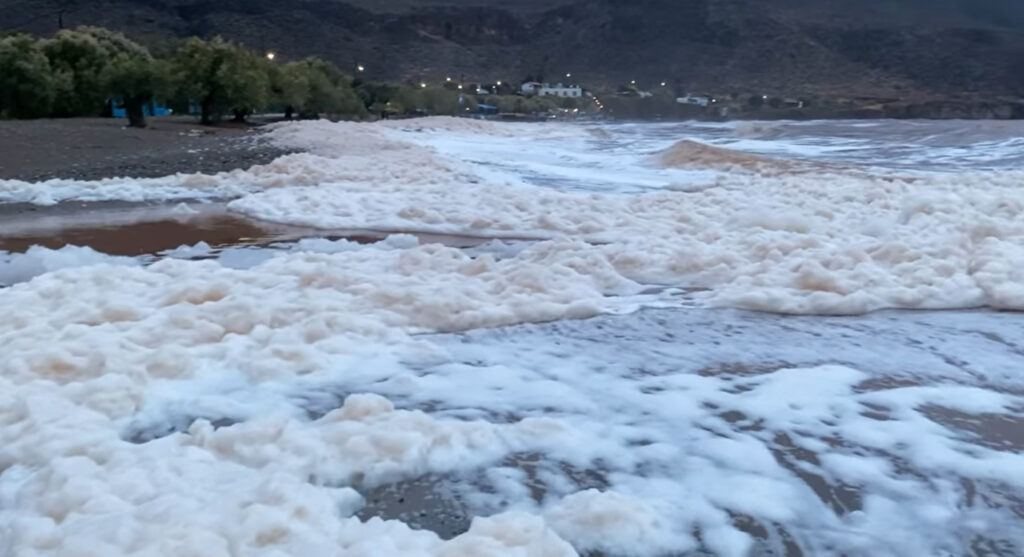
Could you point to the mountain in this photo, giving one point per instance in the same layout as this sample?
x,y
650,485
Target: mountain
x,y
909,49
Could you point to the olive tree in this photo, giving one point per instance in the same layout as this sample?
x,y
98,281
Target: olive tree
x,y
136,79
221,77
439,101
313,87
27,85
79,58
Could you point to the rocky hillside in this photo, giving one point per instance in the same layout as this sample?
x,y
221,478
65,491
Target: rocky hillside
x,y
909,49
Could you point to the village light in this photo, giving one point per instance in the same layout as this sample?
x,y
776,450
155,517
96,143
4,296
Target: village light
x,y
447,79
662,83
271,56
423,85
360,67
568,74
498,84
460,87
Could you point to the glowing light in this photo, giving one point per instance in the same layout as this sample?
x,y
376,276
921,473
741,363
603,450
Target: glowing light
x,y
568,75
271,56
633,82
423,85
447,79
662,83
498,84
360,67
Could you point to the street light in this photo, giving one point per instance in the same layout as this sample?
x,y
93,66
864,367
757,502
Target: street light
x,y
271,56
360,67
498,84
662,83
447,79
568,75
423,85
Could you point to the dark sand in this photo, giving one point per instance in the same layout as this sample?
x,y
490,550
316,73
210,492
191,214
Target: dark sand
x,y
95,148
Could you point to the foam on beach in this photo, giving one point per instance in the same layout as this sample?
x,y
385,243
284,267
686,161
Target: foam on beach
x,y
198,408
756,232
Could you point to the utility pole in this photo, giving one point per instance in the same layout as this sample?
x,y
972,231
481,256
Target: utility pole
x,y
64,6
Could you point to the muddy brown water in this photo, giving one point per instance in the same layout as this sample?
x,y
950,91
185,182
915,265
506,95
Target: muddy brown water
x,y
133,229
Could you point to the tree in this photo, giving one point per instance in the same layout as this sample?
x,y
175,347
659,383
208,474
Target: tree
x,y
439,101
136,79
329,90
314,87
406,99
222,77
26,79
79,57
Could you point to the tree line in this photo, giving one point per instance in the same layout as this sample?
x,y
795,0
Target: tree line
x,y
78,72
83,71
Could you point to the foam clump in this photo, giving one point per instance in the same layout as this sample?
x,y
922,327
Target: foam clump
x,y
693,154
38,260
612,523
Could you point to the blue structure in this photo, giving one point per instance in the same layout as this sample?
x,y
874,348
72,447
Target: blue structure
x,y
484,108
152,108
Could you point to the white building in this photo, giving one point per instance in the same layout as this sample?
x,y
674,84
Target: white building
x,y
559,90
546,89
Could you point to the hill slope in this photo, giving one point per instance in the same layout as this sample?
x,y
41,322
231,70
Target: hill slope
x,y
885,48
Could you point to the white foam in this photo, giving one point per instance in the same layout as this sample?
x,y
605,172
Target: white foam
x,y
814,241
131,340
37,260
829,243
